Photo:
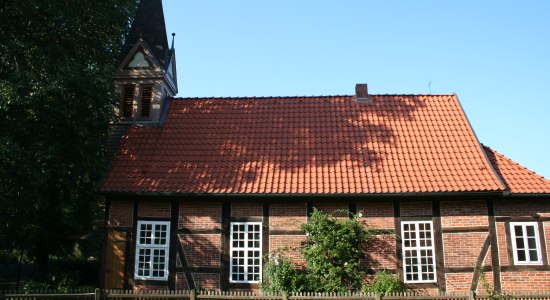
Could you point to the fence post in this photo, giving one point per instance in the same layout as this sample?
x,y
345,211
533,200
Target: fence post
x,y
97,295
378,296
285,295
471,295
193,295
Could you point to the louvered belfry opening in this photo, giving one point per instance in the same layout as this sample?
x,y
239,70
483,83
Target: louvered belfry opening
x,y
146,96
128,101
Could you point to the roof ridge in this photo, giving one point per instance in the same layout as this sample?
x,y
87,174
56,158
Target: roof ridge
x,y
530,172
481,152
304,96
262,97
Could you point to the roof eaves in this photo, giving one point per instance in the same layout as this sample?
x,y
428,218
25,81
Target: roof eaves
x,y
528,195
304,195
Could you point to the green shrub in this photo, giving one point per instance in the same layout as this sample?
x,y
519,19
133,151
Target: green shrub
x,y
31,285
332,252
384,282
61,282
332,255
282,275
64,282
490,291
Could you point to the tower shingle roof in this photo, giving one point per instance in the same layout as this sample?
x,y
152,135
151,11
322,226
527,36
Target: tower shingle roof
x,y
149,24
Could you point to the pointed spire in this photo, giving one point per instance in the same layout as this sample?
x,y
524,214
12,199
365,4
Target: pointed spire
x,y
149,25
173,36
141,30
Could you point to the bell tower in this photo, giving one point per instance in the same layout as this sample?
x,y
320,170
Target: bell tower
x,y
146,72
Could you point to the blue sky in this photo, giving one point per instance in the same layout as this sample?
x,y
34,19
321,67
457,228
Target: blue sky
x,y
495,55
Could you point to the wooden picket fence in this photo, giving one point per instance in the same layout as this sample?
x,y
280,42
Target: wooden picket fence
x,y
98,294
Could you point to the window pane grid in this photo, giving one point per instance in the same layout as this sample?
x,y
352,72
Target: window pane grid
x,y
152,250
525,243
246,252
418,252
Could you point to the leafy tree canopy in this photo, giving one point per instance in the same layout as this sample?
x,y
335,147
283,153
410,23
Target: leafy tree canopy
x,y
57,60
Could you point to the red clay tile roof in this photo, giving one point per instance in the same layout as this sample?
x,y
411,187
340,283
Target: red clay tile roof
x,y
518,179
305,145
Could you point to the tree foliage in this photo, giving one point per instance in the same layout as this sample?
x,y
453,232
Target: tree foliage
x,y
332,255
57,60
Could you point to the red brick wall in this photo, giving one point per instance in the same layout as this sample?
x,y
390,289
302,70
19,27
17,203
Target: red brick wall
x,y
546,227
240,210
207,281
458,282
380,249
380,252
488,258
195,215
290,243
502,246
121,213
335,209
154,208
525,281
489,279
412,209
462,249
427,291
463,214
523,207
201,250
377,215
139,288
181,281
287,216
522,280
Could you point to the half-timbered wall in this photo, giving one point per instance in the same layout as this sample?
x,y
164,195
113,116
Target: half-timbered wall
x,y
522,277
471,238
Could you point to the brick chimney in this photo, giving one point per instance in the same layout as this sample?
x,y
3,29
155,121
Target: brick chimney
x,y
362,93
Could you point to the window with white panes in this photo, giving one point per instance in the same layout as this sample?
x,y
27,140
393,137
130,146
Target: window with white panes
x,y
152,248
418,251
246,252
525,243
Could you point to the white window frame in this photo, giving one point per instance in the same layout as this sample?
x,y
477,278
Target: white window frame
x,y
245,250
417,249
152,247
525,238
